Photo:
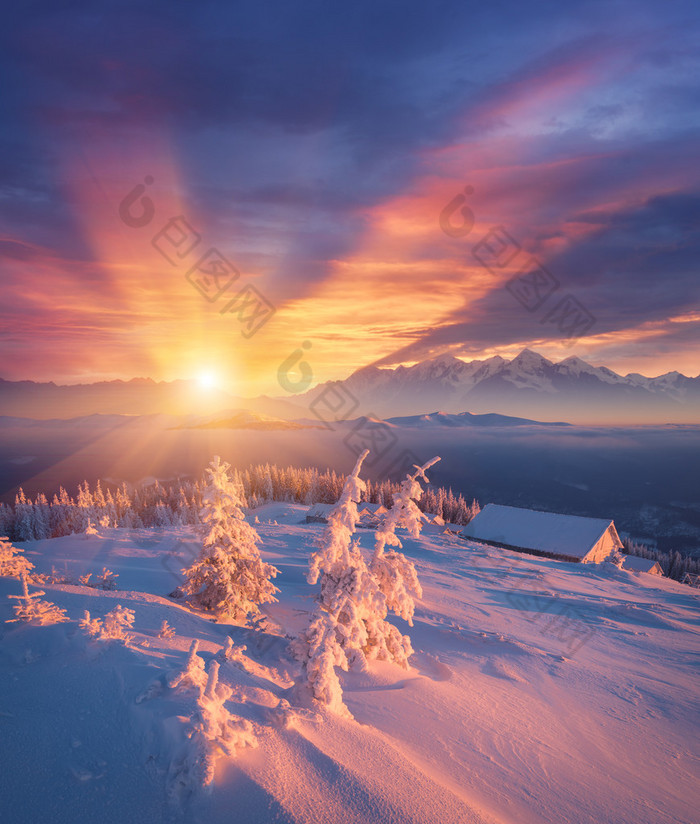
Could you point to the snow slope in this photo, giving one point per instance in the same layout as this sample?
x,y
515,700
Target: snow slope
x,y
508,714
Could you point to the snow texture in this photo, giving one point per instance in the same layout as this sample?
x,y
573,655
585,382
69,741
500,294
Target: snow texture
x,y
540,692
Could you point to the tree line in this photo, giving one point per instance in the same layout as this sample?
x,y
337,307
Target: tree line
x,y
179,503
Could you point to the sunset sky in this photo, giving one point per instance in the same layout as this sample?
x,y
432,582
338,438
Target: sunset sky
x,y
315,146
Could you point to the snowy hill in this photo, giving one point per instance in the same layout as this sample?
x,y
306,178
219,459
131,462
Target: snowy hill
x,y
540,691
529,385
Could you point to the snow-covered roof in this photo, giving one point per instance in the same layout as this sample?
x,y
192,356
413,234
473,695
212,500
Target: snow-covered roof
x,y
369,509
550,532
638,564
320,510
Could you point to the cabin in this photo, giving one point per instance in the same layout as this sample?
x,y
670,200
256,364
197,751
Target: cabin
x,y
368,515
637,564
433,520
551,534
318,513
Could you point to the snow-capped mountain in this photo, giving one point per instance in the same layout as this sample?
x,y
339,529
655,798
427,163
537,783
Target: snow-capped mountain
x,y
463,419
529,385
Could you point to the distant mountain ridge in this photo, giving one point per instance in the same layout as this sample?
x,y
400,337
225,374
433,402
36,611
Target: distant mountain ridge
x,y
140,396
529,386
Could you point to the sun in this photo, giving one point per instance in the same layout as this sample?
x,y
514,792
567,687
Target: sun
x,y
207,380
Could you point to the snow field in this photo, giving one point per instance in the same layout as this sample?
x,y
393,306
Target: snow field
x,y
496,719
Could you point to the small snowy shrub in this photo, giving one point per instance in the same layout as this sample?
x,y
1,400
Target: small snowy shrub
x,y
193,675
229,578
117,622
166,631
114,626
213,731
107,580
34,611
229,652
90,626
13,564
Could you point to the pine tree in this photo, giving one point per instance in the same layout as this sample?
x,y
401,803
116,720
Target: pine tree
x,y
13,564
319,648
24,518
348,627
7,520
33,610
229,578
41,517
395,574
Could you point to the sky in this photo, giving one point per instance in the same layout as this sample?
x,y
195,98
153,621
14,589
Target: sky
x,y
215,189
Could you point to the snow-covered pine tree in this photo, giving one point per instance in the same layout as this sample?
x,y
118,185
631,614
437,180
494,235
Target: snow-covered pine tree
x,y
110,511
24,518
395,574
41,517
348,627
33,610
229,578
267,489
319,647
7,519
85,512
13,564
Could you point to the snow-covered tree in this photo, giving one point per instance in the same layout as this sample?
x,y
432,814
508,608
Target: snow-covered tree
x,y
349,626
24,518
320,647
395,574
13,564
229,577
33,610
7,519
41,517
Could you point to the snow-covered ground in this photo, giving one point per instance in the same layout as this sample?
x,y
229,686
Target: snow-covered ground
x,y
540,691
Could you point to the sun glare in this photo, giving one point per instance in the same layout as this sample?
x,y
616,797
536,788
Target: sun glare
x,y
206,380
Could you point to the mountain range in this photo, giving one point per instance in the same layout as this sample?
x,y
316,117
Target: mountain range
x,y
529,386
140,396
